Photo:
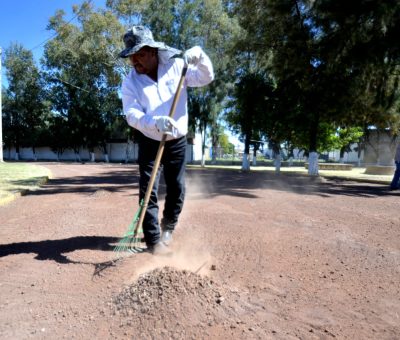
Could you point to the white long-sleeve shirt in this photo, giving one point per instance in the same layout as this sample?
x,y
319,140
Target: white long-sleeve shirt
x,y
143,98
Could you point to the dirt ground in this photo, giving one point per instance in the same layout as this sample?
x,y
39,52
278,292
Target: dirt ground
x,y
256,256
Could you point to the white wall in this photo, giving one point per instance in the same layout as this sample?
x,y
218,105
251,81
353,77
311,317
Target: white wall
x,y
117,152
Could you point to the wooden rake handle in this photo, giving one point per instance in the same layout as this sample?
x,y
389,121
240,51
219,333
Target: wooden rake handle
x,y
160,151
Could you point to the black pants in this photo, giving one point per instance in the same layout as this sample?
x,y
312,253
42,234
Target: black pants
x,y
396,177
173,164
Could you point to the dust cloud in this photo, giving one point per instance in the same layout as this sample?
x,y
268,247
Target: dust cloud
x,y
185,256
189,249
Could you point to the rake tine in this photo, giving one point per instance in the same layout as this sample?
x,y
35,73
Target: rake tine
x,y
130,242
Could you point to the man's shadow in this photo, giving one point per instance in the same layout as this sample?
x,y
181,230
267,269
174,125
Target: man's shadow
x,y
55,250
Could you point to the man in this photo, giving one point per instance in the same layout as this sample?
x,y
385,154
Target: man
x,y
147,96
396,177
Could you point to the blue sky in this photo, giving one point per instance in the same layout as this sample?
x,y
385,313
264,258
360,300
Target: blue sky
x,y
25,21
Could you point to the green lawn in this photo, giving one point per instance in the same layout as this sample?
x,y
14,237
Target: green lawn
x,y
19,177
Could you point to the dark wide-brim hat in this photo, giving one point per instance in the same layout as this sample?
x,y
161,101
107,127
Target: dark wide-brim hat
x,y
139,36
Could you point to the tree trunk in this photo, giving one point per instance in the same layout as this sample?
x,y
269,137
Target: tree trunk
x,y
313,164
34,153
246,154
77,157
276,153
278,162
17,152
342,152
203,160
313,154
76,153
214,155
129,145
203,148
254,156
291,155
359,150
246,162
105,152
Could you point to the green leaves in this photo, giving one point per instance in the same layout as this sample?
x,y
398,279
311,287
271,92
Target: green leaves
x,y
25,108
84,78
334,62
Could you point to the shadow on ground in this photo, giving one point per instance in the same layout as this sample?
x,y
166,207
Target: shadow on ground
x,y
55,250
214,182
112,181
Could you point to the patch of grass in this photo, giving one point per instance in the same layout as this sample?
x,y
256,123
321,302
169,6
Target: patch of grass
x,y
20,177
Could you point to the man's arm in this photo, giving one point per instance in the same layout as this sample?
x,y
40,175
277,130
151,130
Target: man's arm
x,y
141,121
200,71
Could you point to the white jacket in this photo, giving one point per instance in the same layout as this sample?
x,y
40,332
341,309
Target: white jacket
x,y
143,98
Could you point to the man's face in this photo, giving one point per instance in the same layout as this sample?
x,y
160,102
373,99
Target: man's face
x,y
145,60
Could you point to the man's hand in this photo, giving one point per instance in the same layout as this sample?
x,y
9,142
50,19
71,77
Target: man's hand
x,y
193,55
166,125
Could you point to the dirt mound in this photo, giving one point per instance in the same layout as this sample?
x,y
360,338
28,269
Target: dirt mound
x,y
176,303
166,286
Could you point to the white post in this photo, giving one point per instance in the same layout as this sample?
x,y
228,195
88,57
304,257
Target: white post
x,y
1,116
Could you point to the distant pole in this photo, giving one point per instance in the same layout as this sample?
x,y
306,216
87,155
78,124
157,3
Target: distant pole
x,y
1,116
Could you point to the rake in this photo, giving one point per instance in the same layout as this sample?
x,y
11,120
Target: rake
x,y
132,240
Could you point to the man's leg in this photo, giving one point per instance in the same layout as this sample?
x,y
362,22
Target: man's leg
x,y
147,153
396,177
174,161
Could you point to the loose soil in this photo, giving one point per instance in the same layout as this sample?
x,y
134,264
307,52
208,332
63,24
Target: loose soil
x,y
256,256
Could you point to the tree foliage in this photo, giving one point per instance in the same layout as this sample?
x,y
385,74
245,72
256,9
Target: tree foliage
x,y
83,77
25,109
293,71
334,62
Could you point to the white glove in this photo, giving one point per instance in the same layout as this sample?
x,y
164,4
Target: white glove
x,y
166,125
193,56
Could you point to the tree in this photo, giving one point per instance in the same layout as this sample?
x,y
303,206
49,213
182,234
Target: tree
x,y
334,63
24,100
224,143
83,77
362,36
247,109
344,138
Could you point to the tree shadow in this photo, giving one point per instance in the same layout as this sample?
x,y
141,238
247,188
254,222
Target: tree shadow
x,y
214,182
111,181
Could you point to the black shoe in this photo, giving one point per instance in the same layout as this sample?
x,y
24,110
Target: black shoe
x,y
159,249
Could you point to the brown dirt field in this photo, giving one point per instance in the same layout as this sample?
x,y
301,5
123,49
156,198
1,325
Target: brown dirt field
x,y
256,256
